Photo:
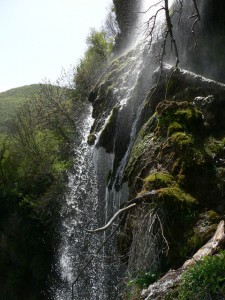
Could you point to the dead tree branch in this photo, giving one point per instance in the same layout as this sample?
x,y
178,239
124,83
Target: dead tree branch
x,y
197,19
150,7
111,220
170,30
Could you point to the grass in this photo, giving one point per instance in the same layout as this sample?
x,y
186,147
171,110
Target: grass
x,y
12,100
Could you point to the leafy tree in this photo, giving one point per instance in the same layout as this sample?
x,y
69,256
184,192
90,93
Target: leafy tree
x,y
95,60
33,161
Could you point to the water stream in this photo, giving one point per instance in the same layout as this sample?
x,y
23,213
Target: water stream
x,y
88,203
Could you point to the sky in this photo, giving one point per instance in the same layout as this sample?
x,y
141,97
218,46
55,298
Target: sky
x,y
39,38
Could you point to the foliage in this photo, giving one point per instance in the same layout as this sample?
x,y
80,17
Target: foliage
x,y
144,280
34,156
93,64
36,149
141,281
206,279
12,100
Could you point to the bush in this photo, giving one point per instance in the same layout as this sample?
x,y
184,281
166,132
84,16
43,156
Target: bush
x,y
206,280
143,280
92,66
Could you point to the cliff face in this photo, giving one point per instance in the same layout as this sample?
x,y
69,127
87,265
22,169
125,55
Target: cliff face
x,y
200,52
168,141
127,16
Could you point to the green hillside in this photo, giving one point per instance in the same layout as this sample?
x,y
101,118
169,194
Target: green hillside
x,y
12,99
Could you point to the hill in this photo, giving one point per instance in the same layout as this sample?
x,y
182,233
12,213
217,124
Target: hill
x,y
12,99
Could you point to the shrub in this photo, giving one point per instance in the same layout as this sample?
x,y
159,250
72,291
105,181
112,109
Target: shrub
x,y
143,280
205,279
94,62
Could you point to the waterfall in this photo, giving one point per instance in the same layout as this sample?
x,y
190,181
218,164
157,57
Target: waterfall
x,y
79,207
89,202
86,204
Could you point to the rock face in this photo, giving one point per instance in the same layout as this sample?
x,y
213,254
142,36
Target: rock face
x,y
176,167
168,141
203,52
127,16
175,156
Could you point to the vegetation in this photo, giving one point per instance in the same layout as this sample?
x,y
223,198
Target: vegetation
x,y
109,130
36,149
33,158
93,64
176,166
205,280
12,100
141,281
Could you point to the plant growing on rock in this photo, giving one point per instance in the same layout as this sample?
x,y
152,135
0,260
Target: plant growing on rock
x,y
206,280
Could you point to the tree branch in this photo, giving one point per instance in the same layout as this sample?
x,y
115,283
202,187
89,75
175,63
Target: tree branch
x,y
170,30
111,220
197,19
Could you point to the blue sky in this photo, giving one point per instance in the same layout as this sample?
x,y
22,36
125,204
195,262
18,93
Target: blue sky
x,y
40,37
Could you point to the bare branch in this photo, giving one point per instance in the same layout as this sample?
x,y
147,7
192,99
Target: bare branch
x,y
144,12
197,19
170,30
162,233
153,19
111,220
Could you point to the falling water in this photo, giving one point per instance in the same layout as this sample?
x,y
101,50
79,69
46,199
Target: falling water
x,y
79,209
88,203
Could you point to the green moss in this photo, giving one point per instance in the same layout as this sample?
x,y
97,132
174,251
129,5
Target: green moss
x,y
201,233
91,139
212,215
106,138
215,147
158,180
220,179
182,139
174,127
144,144
176,194
178,116
176,208
199,238
190,116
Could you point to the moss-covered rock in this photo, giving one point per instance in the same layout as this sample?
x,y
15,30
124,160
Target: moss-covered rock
x,y
106,138
158,180
175,194
177,168
91,139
